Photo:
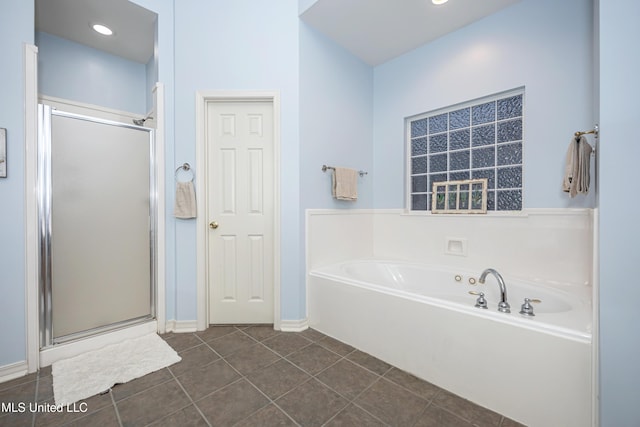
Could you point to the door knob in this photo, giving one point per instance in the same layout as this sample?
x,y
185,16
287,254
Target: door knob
x,y
213,225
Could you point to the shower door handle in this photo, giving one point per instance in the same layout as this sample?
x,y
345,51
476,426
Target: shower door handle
x,y
213,225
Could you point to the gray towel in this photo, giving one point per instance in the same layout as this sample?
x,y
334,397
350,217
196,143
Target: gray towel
x,y
577,167
185,204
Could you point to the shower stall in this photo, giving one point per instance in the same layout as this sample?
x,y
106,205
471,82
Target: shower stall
x,y
97,225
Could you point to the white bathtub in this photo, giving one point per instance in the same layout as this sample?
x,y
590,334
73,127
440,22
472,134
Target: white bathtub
x,y
536,370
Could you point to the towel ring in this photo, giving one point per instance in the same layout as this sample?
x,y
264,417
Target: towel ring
x,y
187,168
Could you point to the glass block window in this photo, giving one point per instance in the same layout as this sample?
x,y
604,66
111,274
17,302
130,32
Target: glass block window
x,y
479,139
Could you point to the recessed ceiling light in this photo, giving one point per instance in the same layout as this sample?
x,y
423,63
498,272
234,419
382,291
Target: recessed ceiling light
x,y
102,29
439,1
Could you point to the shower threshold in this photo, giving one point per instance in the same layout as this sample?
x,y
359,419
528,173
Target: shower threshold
x,y
100,330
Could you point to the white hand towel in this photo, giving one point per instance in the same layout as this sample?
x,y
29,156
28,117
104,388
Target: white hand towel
x,y
185,204
577,167
345,184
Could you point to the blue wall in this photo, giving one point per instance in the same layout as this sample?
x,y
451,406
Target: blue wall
x,y
163,70
16,28
544,45
619,207
336,125
240,45
336,119
76,72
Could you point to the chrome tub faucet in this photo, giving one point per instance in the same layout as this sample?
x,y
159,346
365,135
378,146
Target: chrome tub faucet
x,y
503,306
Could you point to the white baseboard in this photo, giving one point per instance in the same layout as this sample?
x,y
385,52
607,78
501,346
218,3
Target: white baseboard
x,y
181,326
67,350
14,370
294,325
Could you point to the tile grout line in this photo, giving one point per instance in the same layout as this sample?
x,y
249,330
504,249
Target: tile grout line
x,y
164,338
35,398
468,420
379,377
73,420
433,403
408,389
290,353
210,348
115,407
280,357
315,376
274,351
188,397
354,403
144,390
242,376
429,404
391,367
226,335
115,402
286,413
245,377
175,378
229,385
349,401
271,401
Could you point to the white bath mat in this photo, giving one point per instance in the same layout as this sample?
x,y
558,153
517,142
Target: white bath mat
x,y
97,371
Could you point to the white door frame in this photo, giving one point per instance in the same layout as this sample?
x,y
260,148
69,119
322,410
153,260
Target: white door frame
x,y
32,244
202,99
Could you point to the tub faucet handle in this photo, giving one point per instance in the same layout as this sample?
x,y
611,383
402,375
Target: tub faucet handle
x,y
481,302
527,309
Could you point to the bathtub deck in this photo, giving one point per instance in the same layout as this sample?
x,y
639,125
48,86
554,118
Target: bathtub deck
x,y
255,376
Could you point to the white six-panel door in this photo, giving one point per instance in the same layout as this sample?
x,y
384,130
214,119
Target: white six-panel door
x,y
240,165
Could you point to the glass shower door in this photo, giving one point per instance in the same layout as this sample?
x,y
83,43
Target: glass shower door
x,y
98,222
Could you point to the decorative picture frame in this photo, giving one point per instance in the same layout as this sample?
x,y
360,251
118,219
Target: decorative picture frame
x,y
3,153
464,196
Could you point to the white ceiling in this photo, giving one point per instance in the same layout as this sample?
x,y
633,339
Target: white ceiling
x,y
133,25
379,30
373,30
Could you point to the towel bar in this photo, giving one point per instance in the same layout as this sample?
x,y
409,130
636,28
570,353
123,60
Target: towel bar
x,y
592,131
595,131
360,172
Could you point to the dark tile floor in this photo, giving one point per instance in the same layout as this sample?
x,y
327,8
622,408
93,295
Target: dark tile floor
x,y
254,376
